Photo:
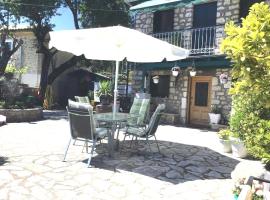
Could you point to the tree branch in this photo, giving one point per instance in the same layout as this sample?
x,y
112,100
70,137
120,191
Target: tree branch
x,y
73,6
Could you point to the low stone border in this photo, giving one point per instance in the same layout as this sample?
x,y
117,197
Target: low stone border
x,y
217,127
170,118
22,115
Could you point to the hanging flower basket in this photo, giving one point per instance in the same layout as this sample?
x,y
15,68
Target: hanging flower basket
x,y
223,78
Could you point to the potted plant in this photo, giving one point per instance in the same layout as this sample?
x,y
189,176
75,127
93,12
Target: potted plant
x,y
239,149
105,92
224,139
223,78
214,115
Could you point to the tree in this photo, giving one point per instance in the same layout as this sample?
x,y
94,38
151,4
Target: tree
x,y
248,46
6,51
105,13
38,14
101,13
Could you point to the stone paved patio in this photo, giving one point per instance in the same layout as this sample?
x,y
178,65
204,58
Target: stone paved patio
x,y
190,166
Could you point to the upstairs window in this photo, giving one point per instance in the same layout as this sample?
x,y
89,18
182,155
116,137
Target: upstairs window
x,y
162,88
163,21
245,6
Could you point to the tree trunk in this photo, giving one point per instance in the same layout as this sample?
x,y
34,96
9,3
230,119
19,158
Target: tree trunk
x,y
44,73
3,64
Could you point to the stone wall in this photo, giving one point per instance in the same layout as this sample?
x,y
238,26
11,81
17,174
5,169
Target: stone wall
x,y
183,17
226,10
144,22
220,96
177,102
22,115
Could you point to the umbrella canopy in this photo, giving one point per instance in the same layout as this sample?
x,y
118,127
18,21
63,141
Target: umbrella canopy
x,y
115,43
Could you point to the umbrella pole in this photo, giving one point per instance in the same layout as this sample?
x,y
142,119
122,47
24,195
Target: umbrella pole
x,y
115,86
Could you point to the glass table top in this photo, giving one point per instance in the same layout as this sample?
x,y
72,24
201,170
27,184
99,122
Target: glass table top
x,y
114,117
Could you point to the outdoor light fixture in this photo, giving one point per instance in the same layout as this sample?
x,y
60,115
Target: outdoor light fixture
x,y
175,70
155,79
193,70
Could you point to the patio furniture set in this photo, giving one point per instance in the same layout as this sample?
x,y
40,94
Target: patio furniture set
x,y
90,127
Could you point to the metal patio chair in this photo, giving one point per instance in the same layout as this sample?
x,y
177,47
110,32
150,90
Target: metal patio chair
x,y
141,108
150,130
82,126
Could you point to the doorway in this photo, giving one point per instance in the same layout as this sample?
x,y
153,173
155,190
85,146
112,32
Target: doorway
x,y
200,100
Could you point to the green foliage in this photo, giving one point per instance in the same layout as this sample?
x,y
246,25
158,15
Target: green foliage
x,y
35,12
23,101
101,13
248,46
215,109
14,70
224,134
105,88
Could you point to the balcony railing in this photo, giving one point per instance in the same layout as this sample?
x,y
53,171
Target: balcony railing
x,y
200,41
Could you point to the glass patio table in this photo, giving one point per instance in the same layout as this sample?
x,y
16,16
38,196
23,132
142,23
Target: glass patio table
x,y
113,120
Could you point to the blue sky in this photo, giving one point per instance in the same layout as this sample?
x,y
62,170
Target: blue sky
x,y
64,21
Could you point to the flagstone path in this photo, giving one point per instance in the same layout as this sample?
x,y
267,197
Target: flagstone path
x,y
190,165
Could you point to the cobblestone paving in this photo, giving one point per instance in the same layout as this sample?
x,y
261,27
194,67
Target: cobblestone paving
x,y
190,166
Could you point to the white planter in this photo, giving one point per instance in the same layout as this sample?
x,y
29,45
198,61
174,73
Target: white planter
x,y
225,145
238,148
214,118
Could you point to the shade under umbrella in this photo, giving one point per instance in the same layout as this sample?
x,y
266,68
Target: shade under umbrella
x,y
115,43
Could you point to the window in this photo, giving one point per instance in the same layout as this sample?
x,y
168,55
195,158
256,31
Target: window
x,y
162,88
163,21
204,15
245,5
201,94
9,43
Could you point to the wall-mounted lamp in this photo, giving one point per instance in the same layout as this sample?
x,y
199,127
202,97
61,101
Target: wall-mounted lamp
x,y
155,79
193,70
223,78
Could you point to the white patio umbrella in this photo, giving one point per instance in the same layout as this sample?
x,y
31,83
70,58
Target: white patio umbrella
x,y
115,43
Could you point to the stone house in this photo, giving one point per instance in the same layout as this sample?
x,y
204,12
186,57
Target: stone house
x,y
197,25
26,56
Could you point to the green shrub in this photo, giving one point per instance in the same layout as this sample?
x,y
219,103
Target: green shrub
x,y
215,109
224,134
248,47
105,88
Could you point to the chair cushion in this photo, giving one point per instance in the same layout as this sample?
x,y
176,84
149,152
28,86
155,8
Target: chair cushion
x,y
84,99
101,132
144,110
135,109
78,106
139,132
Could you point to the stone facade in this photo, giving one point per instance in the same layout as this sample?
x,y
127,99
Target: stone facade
x,y
177,104
144,22
26,56
227,10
